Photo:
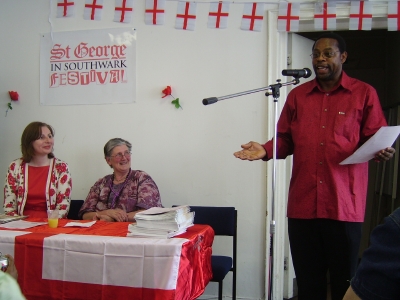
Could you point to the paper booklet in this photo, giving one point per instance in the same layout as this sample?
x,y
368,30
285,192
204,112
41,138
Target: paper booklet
x,y
5,218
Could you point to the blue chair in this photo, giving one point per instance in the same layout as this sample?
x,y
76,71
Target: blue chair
x,y
74,207
224,222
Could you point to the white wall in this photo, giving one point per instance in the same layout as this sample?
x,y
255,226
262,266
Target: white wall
x,y
188,152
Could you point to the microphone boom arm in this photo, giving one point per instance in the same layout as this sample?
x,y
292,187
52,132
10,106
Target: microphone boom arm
x,y
274,88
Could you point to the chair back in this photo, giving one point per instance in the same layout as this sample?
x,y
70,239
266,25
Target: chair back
x,y
224,222
74,207
221,219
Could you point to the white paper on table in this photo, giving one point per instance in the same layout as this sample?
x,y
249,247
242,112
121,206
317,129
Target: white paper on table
x,y
21,224
383,138
5,218
79,224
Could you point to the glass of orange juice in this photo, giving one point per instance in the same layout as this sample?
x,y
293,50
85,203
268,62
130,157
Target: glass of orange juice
x,y
52,218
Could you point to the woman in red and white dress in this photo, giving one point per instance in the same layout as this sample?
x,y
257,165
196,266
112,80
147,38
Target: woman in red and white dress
x,y
37,181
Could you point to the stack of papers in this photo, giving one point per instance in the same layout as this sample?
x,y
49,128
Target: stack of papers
x,y
20,224
5,218
159,222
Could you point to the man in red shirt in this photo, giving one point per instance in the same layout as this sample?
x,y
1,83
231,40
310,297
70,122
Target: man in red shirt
x,y
323,122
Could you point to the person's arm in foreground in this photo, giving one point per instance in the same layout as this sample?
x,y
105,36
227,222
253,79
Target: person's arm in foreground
x,y
350,295
11,269
378,275
9,288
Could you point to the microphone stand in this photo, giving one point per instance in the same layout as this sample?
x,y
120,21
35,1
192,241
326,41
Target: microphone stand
x,y
275,92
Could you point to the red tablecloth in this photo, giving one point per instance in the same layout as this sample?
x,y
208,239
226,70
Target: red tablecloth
x,y
193,274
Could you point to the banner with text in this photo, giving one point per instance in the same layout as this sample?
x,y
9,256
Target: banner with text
x,y
88,67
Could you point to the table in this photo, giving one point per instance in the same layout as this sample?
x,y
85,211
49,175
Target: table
x,y
100,262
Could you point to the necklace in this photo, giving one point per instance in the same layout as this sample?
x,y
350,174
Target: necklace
x,y
122,178
117,192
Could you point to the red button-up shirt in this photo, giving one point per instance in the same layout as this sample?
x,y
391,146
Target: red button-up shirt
x,y
321,129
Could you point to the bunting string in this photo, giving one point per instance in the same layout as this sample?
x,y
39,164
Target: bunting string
x,y
324,14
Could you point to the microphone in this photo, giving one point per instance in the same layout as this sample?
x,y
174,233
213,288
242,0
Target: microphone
x,y
210,100
306,72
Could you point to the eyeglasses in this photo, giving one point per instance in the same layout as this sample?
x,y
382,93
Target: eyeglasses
x,y
325,54
119,156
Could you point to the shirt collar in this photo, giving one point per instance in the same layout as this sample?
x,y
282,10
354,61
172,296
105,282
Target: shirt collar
x,y
344,82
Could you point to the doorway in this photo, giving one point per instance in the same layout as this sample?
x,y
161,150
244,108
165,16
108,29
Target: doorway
x,y
373,59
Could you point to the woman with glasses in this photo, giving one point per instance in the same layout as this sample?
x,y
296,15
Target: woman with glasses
x,y
37,181
117,197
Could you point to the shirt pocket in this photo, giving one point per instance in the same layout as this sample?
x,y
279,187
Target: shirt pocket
x,y
347,124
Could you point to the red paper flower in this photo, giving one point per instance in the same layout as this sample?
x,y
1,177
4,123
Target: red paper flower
x,y
167,91
14,97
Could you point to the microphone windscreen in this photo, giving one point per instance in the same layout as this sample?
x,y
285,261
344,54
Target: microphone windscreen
x,y
308,72
210,100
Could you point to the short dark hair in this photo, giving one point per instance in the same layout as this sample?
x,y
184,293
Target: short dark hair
x,y
31,133
335,36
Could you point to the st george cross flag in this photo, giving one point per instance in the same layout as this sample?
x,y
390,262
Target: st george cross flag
x,y
253,15
93,10
360,15
154,12
393,16
65,8
101,267
95,267
123,11
288,16
325,16
218,15
186,16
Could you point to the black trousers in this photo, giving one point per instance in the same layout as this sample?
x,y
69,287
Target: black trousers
x,y
319,245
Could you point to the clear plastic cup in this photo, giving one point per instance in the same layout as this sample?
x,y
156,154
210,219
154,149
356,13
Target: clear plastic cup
x,y
52,218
